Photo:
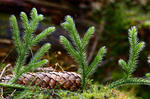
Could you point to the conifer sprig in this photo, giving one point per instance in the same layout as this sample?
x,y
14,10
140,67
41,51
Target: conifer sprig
x,y
129,67
130,81
23,46
78,53
16,36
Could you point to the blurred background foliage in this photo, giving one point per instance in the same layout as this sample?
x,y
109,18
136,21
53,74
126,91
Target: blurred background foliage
x,y
112,18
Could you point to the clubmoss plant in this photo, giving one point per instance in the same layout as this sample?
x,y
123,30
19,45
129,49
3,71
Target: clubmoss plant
x,y
78,52
129,67
24,45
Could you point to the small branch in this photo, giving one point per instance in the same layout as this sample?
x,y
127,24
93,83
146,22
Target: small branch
x,y
57,65
44,69
6,56
95,42
5,41
2,93
129,81
13,92
46,3
13,86
106,61
93,49
8,65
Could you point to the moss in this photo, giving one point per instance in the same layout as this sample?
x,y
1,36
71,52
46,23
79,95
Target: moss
x,y
95,91
98,92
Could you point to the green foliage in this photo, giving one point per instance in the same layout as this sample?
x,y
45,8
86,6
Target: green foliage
x,y
31,94
23,46
148,74
130,66
13,86
78,53
97,92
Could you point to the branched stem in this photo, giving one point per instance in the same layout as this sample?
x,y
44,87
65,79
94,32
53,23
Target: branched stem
x,y
129,81
13,86
130,66
28,41
78,53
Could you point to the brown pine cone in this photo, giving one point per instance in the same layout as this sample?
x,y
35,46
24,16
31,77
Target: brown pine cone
x,y
64,80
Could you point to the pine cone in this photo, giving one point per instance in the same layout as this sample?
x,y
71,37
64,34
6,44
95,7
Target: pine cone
x,y
64,80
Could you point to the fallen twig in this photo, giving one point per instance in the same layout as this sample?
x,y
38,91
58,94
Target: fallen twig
x,y
8,65
95,43
2,93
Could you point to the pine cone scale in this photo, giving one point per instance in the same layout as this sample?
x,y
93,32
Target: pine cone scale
x,y
63,80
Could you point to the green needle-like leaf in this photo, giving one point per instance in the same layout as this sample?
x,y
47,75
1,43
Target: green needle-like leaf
x,y
42,35
33,66
25,20
40,53
140,46
69,48
96,61
135,48
40,17
34,14
69,25
123,64
87,36
129,81
16,37
35,20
